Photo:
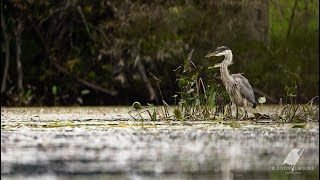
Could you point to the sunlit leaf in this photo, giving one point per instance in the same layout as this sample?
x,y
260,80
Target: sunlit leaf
x,y
182,82
217,65
262,100
80,100
85,91
184,94
154,115
54,90
177,113
72,63
151,105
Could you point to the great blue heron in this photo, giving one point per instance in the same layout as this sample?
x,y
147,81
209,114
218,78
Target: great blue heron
x,y
237,86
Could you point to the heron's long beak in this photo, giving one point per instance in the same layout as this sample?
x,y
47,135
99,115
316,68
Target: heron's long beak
x,y
212,54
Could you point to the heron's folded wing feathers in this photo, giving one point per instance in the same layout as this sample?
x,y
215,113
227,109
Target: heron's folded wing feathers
x,y
244,87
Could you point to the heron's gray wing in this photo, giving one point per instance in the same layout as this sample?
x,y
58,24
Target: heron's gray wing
x,y
244,87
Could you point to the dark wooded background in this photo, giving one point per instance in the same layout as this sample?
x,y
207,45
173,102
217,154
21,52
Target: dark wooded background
x,y
99,52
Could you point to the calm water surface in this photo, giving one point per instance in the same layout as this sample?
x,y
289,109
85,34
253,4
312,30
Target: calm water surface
x,y
106,143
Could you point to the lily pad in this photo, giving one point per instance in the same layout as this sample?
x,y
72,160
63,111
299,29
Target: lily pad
x,y
136,105
299,125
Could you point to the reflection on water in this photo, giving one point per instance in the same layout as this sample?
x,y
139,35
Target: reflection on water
x,y
203,150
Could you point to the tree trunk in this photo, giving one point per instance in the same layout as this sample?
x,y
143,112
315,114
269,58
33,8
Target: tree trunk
x,y
7,50
18,33
306,16
262,21
291,18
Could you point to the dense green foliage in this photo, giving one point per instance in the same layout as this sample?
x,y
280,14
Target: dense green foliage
x,y
101,52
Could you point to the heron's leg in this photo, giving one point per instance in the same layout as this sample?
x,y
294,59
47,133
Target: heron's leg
x,y
231,105
245,115
245,112
237,113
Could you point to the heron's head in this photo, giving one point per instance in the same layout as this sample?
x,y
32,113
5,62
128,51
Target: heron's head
x,y
220,51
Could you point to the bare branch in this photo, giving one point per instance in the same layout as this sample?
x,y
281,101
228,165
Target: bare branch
x,y
84,20
145,79
89,84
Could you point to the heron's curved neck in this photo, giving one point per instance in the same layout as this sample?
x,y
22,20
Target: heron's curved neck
x,y
225,75
228,58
